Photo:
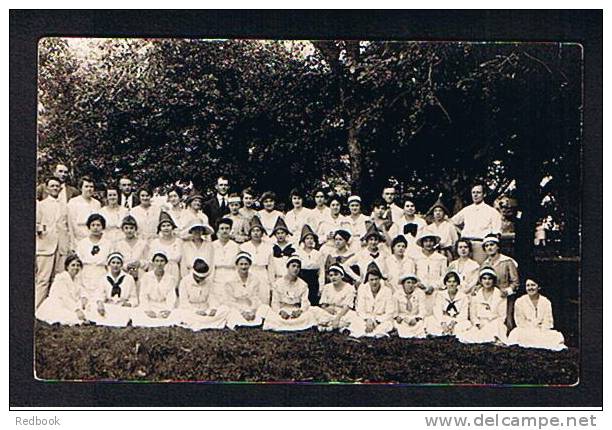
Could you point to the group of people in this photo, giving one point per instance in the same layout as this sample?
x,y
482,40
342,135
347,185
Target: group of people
x,y
219,262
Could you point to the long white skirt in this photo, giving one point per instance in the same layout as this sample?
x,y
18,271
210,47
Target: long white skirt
x,y
188,318
323,318
490,331
140,319
265,290
91,276
235,318
407,331
114,315
537,338
52,311
358,328
273,321
434,327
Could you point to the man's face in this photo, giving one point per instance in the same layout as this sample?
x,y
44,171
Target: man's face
x,y
61,173
477,194
222,186
53,187
126,186
388,195
87,189
409,208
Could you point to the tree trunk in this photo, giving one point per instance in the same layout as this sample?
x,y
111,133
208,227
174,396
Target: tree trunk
x,y
355,157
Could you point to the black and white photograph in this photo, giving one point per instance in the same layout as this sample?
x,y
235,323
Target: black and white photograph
x,y
308,210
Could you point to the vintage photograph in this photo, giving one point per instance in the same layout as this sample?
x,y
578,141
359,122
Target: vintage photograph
x,y
313,211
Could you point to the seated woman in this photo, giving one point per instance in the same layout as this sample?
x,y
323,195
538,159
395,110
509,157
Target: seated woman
x,y
117,295
375,306
93,251
450,311
290,310
465,267
337,304
196,246
339,255
261,254
199,304
409,319
398,262
312,261
157,295
487,312
167,242
134,250
282,248
534,321
245,295
64,304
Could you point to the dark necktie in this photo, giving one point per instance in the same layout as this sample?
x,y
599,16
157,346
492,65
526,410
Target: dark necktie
x,y
411,229
116,291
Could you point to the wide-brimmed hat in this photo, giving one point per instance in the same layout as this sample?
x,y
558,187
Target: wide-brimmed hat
x,y
193,194
280,225
165,217
438,204
426,233
307,231
373,269
197,224
408,275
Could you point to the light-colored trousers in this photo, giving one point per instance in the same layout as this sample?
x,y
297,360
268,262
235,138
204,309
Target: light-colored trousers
x,y
47,266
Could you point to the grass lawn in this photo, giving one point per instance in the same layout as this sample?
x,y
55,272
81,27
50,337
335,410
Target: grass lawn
x,y
176,354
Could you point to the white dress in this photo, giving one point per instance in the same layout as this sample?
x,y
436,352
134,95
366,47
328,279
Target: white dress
x,y
224,265
490,314
63,301
447,232
268,220
136,252
289,296
410,308
156,296
115,314
329,225
262,265
245,296
113,219
397,268
468,273
380,308
358,228
194,297
93,255
295,222
534,325
280,255
446,311
174,252
191,251
79,210
336,300
430,269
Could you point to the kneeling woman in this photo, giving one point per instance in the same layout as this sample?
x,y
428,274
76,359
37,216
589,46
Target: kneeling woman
x,y
157,295
64,304
487,312
246,295
117,295
450,311
290,310
534,321
409,320
375,306
337,302
199,304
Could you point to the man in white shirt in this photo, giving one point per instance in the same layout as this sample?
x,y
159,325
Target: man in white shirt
x,y
52,242
79,209
218,205
394,212
66,191
477,220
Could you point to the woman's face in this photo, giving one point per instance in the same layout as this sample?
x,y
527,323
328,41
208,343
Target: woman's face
x,y
491,248
409,285
159,262
166,228
196,233
487,281
223,231
309,241
334,206
320,199
355,208
74,268
374,281
340,243
463,249
372,242
293,268
173,198
281,236
129,231
145,197
115,265
428,243
243,266
532,287
96,228
409,208
399,249
452,284
196,204
268,205
335,277
378,211
234,207
112,196
297,201
256,233
248,200
438,214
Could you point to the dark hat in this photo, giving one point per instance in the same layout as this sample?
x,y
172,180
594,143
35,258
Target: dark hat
x,y
373,270
399,239
129,220
268,195
225,220
194,194
70,258
256,222
438,204
165,217
280,225
200,267
96,217
372,231
306,231
343,233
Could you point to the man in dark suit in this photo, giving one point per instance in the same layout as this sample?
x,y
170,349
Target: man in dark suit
x,y
217,206
66,191
128,198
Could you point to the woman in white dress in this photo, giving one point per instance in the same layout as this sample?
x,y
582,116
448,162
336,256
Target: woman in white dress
x,y
409,320
444,228
157,296
113,213
175,208
224,254
451,309
465,267
146,214
64,305
534,321
268,215
245,295
290,309
487,312
337,304
135,250
398,262
118,295
375,306
196,246
200,305
358,223
93,252
297,217
339,255
169,244
329,225
193,214
261,254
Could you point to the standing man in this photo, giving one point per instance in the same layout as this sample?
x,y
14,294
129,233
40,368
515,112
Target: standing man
x,y
79,209
66,191
393,212
218,205
128,198
52,240
477,220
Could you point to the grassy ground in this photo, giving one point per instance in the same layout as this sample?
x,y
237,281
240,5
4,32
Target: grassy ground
x,y
85,353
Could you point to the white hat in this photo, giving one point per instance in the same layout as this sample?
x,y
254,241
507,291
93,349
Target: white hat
x,y
354,199
408,275
245,255
114,255
293,259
